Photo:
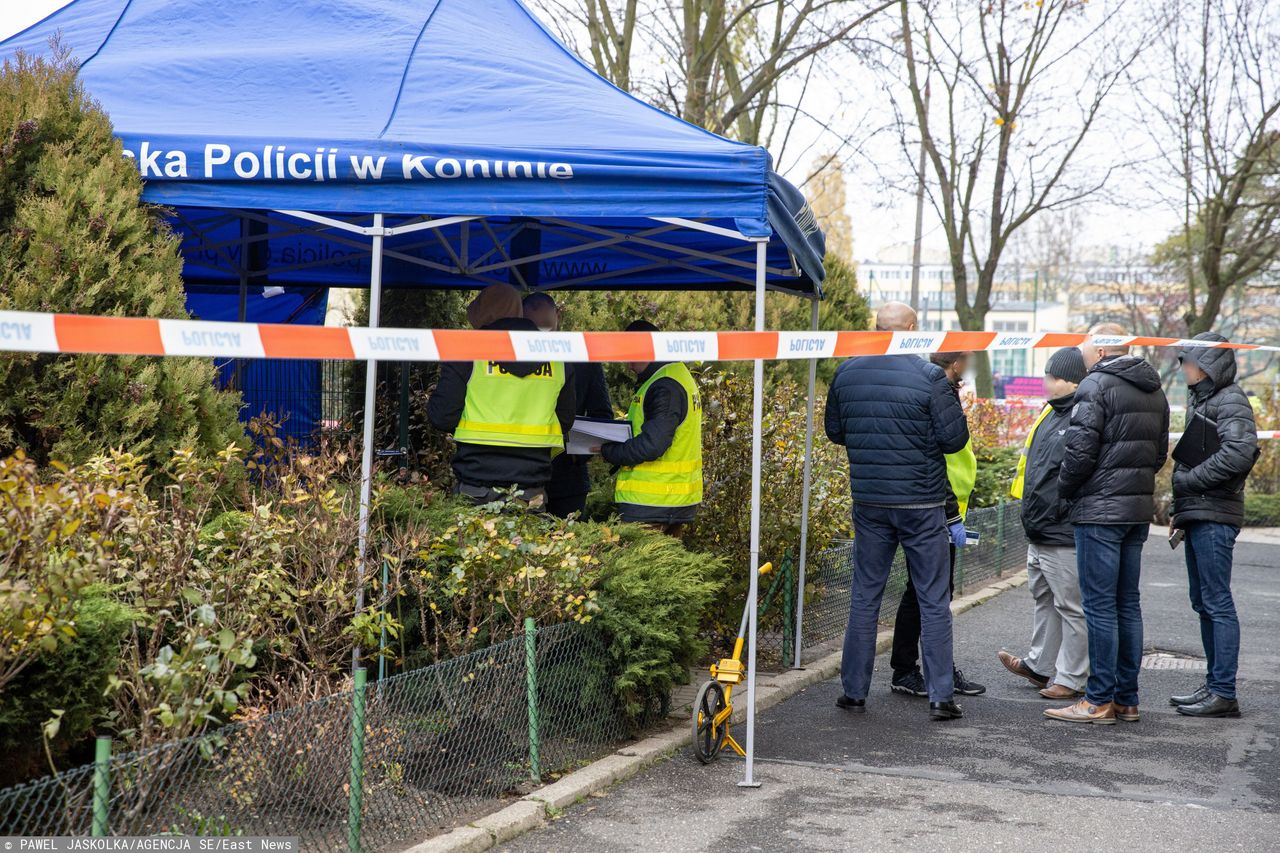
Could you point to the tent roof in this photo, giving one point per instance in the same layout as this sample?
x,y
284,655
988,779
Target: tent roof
x,y
444,107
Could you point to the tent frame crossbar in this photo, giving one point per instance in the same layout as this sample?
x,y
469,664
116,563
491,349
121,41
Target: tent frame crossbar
x,y
348,233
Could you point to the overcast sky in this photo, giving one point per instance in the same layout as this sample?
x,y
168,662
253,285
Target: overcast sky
x,y
882,220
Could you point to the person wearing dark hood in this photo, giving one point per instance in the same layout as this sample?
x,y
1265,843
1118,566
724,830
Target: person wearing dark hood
x,y
507,418
1117,441
570,481
660,466
1210,464
1058,659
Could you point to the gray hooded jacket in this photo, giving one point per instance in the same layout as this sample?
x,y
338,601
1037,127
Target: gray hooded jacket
x,y
1214,489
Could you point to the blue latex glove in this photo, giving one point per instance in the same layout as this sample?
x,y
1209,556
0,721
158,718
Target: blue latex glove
x,y
957,533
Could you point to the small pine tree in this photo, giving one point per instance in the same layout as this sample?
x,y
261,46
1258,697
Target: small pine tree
x,y
75,238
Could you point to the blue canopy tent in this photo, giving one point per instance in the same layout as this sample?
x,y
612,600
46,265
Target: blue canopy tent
x,y
448,143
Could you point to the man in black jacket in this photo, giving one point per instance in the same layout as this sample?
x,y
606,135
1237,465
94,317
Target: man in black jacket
x,y
570,481
1117,441
1210,464
507,417
1058,660
897,417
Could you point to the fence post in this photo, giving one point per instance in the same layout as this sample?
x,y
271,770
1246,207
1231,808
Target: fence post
x,y
1000,538
531,693
356,795
101,786
788,611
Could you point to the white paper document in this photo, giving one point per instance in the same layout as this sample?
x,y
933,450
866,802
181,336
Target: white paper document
x,y
592,432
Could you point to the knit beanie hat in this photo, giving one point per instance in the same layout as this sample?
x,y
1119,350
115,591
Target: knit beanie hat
x,y
1067,364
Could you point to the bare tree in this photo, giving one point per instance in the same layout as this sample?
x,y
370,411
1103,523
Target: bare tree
x,y
1213,104
716,63
1015,90
825,188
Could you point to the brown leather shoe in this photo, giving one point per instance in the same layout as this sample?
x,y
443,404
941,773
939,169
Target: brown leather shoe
x,y
1017,667
1060,691
1084,711
1127,713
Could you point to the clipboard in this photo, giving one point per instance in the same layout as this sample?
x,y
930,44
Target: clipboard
x,y
1199,441
589,432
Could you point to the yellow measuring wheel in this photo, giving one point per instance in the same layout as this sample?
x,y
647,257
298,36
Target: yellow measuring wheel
x,y
713,707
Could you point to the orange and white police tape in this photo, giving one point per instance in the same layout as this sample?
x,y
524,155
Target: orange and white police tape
x,y
22,331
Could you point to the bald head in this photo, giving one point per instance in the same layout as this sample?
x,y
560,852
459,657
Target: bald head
x,y
895,317
1093,354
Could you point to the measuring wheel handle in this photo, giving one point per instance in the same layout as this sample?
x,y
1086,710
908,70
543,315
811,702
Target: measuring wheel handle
x,y
710,723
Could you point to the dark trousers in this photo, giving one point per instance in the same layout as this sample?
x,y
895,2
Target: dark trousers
x,y
1210,550
1109,559
906,626
563,506
877,533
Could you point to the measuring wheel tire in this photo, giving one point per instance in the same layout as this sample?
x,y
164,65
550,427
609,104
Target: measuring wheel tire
x,y
708,739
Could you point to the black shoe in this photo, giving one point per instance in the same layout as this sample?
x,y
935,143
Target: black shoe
x,y
1214,706
1202,693
857,706
945,711
909,684
964,686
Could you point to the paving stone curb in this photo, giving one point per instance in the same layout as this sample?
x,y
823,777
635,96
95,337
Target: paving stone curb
x,y
534,809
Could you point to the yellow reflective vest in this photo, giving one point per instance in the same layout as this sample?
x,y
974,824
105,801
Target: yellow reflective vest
x,y
1019,478
675,478
506,410
962,474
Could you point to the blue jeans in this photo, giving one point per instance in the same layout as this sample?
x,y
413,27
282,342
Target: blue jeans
x,y
1209,551
1109,559
922,533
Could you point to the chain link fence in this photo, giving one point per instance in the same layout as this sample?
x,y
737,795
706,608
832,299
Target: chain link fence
x,y
1001,551
378,768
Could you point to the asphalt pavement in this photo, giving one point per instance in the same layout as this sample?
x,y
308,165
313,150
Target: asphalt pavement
x,y
1004,776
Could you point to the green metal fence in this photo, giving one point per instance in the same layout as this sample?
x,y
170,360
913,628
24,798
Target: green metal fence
x,y
1002,551
379,767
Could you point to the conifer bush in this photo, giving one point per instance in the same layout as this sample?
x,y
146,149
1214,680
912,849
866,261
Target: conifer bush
x,y
75,238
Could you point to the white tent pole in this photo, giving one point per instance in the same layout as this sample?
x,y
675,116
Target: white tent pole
x,y
804,497
757,414
370,383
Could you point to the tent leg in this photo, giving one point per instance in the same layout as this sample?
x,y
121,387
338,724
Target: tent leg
x,y
757,413
804,497
370,387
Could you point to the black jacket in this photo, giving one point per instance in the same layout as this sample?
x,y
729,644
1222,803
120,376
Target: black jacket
x,y
1214,489
1042,511
570,476
666,404
897,416
1117,441
487,465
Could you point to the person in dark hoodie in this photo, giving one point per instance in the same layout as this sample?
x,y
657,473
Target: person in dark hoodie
x,y
1117,441
1058,660
660,466
506,417
1210,464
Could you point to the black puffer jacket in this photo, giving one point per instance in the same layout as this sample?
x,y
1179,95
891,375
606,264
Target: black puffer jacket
x,y
897,415
1214,489
1042,512
1117,441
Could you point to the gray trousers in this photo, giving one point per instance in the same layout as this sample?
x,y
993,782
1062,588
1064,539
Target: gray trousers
x,y
1059,639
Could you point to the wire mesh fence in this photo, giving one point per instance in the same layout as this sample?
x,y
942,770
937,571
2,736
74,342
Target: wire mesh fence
x,y
432,747
1001,551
